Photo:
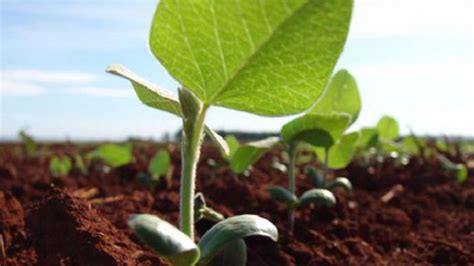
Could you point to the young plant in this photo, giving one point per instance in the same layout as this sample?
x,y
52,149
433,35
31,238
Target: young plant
x,y
223,53
29,143
60,166
459,170
322,126
241,157
159,166
113,155
320,181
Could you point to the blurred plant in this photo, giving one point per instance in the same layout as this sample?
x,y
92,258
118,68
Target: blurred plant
x,y
29,143
60,166
113,155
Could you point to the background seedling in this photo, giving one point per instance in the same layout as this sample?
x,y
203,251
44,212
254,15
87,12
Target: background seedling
x,y
158,167
215,69
60,166
113,155
29,143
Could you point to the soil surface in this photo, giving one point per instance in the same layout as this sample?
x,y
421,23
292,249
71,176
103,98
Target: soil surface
x,y
397,214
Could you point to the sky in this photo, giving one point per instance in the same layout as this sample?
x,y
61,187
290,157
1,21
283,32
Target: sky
x,y
412,59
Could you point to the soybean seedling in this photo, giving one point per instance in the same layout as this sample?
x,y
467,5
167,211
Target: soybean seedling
x,y
322,126
29,143
223,53
241,157
113,155
158,167
60,166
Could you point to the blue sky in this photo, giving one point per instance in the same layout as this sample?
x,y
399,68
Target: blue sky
x,y
413,59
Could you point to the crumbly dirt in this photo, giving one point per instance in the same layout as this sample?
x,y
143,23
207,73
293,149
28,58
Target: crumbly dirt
x,y
81,219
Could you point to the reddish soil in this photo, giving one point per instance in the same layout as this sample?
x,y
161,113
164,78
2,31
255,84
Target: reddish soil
x,y
49,221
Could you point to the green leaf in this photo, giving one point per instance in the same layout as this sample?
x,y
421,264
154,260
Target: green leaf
x,y
164,238
268,57
249,153
410,145
60,166
318,196
155,97
341,182
461,173
232,229
341,96
387,128
342,152
282,194
233,144
114,155
159,164
234,254
28,141
320,130
368,137
79,164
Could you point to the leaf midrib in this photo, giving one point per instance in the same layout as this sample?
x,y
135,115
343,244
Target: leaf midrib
x,y
254,53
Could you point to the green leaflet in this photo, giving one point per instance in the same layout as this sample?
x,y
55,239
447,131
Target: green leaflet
x,y
318,196
28,141
265,57
60,166
341,96
233,144
155,97
231,229
387,128
159,164
342,152
114,155
233,254
165,239
321,130
249,153
368,137
341,182
282,194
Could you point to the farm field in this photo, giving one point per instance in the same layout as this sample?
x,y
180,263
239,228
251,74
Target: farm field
x,y
427,219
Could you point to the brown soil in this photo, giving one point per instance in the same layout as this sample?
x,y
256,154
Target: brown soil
x,y
428,219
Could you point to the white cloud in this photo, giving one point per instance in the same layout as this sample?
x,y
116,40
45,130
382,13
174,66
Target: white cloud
x,y
376,18
34,75
101,92
15,88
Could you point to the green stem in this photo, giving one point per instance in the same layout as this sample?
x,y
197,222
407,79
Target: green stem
x,y
325,165
291,184
190,153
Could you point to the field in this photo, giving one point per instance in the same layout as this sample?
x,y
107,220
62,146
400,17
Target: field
x,y
397,214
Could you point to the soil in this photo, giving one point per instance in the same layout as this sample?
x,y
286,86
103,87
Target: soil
x,y
397,214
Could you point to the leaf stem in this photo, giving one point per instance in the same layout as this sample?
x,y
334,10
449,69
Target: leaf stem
x,y
190,152
325,165
291,184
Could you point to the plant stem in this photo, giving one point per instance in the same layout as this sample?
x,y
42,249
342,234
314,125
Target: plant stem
x,y
291,184
325,165
190,153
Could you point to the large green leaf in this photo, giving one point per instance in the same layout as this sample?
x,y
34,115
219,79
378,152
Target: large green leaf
x,y
341,153
232,229
165,239
321,130
266,57
155,97
159,164
387,128
318,196
249,153
341,96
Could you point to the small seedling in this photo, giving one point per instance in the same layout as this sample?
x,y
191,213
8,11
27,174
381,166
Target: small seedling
x,y
159,166
223,53
29,143
79,164
241,157
459,170
320,181
113,155
322,126
60,166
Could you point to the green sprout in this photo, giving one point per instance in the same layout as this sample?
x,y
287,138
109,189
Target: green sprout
x,y
272,59
113,155
80,165
322,126
60,166
241,157
459,170
29,143
159,166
